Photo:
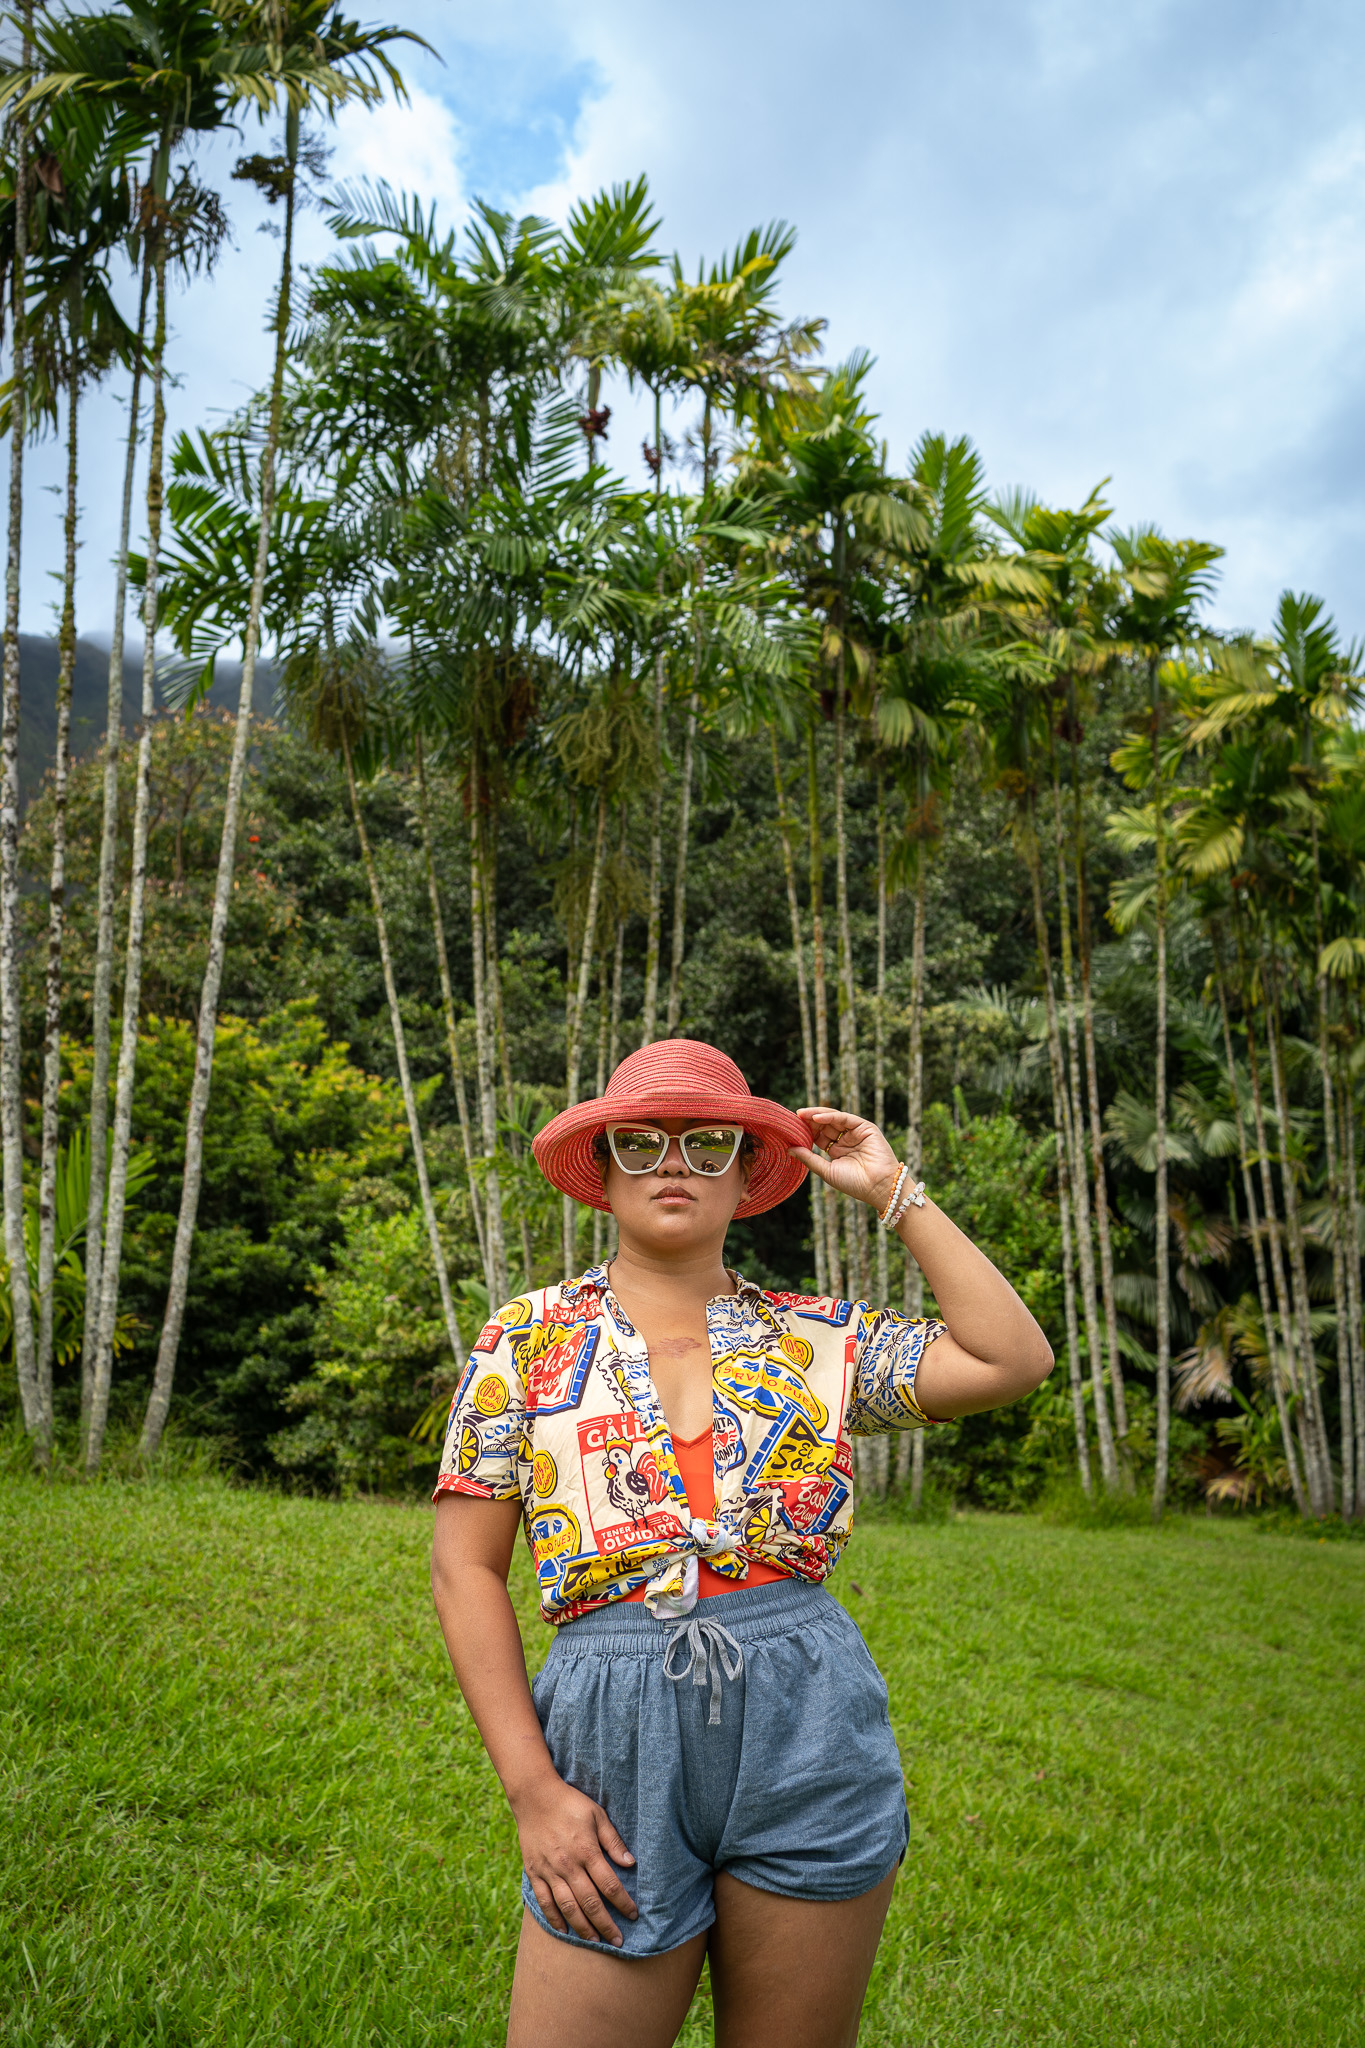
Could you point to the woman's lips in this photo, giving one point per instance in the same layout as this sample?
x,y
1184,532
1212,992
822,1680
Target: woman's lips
x,y
673,1195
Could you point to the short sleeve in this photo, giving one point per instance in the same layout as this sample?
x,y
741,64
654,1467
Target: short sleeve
x,y
886,1359
487,1420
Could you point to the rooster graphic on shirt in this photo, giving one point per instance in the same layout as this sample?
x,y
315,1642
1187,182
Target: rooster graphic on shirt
x,y
634,1481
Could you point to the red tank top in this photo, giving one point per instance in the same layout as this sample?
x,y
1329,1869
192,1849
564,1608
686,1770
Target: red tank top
x,y
696,1463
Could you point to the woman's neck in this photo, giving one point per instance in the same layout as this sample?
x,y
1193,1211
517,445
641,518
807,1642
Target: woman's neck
x,y
686,1281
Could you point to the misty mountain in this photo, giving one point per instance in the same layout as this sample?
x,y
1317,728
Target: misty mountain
x,y
38,663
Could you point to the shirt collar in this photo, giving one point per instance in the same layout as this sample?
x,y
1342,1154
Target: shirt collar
x,y
595,1281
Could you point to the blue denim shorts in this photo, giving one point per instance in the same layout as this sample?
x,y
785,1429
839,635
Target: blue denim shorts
x,y
751,1737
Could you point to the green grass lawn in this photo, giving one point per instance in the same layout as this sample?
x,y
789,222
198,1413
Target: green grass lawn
x,y
241,1802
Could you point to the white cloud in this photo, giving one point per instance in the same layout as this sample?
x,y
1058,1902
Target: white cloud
x,y
413,147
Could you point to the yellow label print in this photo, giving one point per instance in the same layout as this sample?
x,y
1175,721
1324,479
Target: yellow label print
x,y
490,1395
754,1380
799,1351
544,1475
554,1532
470,1449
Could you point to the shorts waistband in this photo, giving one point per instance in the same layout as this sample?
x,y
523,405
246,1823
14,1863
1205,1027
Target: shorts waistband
x,y
750,1614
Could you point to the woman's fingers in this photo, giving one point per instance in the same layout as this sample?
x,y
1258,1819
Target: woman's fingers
x,y
611,1887
610,1840
545,1899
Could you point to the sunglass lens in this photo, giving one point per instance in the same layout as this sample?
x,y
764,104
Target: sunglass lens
x,y
638,1150
710,1151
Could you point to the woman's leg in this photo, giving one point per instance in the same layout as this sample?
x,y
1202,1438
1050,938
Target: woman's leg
x,y
791,1973
585,1997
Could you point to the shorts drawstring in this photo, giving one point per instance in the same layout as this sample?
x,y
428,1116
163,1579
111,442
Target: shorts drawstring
x,y
695,1632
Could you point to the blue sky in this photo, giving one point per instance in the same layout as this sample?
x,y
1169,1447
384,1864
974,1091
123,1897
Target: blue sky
x,y
1102,240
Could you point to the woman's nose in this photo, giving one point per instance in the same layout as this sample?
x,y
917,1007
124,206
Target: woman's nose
x,y
673,1160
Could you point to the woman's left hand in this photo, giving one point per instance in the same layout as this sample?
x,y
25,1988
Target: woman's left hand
x,y
860,1163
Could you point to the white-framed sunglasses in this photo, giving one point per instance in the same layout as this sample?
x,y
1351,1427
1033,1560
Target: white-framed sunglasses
x,y
707,1148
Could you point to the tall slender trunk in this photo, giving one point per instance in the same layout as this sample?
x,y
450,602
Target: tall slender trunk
x,y
1275,1238
11,1078
1353,1275
102,1004
879,1024
56,920
488,1089
1277,1377
1161,1472
1103,1232
159,1400
1320,1487
910,1450
654,924
599,1221
576,1013
126,1075
855,1215
817,1212
680,873
498,1012
1346,1329
1329,1133
438,927
823,1093
1080,1179
400,1050
1059,1118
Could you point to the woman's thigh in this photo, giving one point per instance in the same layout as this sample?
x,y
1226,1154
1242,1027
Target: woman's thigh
x,y
792,1973
582,1997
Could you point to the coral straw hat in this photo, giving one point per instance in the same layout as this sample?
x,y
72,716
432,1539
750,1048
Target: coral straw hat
x,y
674,1077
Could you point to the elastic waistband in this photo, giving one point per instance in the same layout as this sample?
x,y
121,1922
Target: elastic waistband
x,y
750,1613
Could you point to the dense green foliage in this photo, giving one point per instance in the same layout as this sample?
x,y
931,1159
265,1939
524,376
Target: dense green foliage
x,y
242,1802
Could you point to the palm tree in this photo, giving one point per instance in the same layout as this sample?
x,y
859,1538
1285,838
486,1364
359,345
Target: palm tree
x,y
302,56
11,1101
1167,583
75,333
817,458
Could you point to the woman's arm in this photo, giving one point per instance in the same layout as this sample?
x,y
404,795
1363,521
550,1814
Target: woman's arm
x,y
994,1351
563,1833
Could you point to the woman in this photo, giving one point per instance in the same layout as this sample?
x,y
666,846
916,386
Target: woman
x,y
705,1765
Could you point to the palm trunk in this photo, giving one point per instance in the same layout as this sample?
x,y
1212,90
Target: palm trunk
x,y
493,969
1059,1119
11,1079
1277,1377
56,919
159,1401
1275,1258
1106,1242
817,1213
680,874
108,878
1346,1330
102,1375
488,1091
599,1221
1353,1281
855,1215
1320,1489
879,1025
650,1015
576,1013
1161,1473
1080,1180
448,1012
1329,1132
400,1050
821,1006
910,1450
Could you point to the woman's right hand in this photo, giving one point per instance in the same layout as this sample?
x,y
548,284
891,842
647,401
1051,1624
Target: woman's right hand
x,y
566,1839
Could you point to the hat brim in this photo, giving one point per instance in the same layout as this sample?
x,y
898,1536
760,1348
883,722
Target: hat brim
x,y
563,1150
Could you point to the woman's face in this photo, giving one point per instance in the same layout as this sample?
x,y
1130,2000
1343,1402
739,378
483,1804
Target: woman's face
x,y
671,1208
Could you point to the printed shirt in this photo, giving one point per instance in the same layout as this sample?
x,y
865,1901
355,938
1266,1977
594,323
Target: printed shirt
x,y
557,1409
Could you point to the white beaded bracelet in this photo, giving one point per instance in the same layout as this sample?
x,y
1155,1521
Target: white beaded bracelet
x,y
913,1198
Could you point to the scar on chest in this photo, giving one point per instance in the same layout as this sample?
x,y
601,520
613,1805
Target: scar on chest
x,y
676,1347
